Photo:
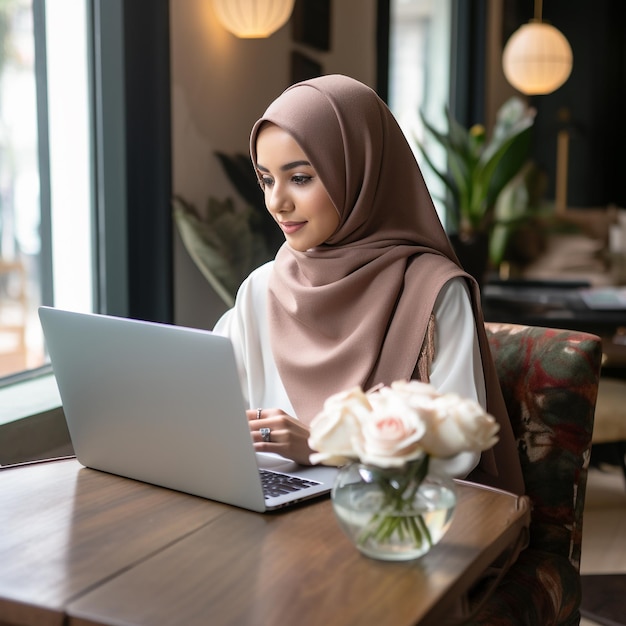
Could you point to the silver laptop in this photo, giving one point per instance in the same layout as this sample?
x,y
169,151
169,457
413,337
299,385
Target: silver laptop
x,y
163,404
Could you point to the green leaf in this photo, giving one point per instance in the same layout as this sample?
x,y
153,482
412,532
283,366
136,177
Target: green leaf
x,y
477,172
241,174
506,163
221,243
459,136
447,180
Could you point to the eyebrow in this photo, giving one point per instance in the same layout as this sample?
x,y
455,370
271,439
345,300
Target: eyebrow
x,y
286,167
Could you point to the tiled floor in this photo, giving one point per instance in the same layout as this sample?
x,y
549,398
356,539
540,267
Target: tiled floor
x,y
604,526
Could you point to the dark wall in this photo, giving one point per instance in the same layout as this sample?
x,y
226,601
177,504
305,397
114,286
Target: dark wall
x,y
594,98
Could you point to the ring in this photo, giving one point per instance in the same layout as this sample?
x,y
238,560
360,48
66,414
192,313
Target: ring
x,y
258,413
265,434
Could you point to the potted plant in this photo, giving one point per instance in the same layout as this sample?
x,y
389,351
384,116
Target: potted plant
x,y
478,170
227,242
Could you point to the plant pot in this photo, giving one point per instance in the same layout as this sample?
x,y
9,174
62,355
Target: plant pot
x,y
393,514
473,254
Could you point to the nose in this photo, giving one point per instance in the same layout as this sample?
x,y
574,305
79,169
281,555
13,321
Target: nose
x,y
277,200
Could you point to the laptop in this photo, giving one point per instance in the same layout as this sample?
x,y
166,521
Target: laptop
x,y
163,404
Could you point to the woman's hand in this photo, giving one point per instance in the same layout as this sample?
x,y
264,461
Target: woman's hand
x,y
288,436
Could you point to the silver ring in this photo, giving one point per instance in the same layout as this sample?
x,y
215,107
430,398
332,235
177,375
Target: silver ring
x,y
258,413
265,434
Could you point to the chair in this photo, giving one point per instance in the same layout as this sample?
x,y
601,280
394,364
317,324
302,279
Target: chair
x,y
549,379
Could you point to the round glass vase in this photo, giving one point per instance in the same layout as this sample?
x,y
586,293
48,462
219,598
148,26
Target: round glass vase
x,y
393,514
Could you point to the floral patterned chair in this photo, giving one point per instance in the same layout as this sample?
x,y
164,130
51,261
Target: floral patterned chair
x,y
550,382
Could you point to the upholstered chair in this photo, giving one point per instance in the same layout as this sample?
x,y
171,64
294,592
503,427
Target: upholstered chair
x,y
550,381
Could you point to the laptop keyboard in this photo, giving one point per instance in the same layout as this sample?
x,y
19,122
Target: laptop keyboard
x,y
277,484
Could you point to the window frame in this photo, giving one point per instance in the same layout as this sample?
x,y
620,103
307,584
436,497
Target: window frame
x,y
133,185
129,82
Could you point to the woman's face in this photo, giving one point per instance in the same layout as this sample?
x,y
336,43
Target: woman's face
x,y
294,193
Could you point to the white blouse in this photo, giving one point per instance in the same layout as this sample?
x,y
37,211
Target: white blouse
x,y
456,366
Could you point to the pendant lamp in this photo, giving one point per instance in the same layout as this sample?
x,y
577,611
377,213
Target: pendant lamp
x,y
537,59
253,19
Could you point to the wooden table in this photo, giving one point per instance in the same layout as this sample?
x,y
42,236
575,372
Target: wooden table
x,y
92,548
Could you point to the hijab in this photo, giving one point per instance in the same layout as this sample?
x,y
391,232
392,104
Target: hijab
x,y
355,310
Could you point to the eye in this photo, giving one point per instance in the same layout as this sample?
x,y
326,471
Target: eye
x,y
266,181
301,179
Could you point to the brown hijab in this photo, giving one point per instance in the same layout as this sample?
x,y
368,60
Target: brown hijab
x,y
355,310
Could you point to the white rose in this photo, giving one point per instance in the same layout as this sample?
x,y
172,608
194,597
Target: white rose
x,y
414,390
458,425
354,400
334,430
392,433
418,395
413,394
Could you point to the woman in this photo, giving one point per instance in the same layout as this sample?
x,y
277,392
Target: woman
x,y
366,288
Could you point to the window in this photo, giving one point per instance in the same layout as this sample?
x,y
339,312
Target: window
x,y
70,148
419,76
436,57
21,346
85,218
45,172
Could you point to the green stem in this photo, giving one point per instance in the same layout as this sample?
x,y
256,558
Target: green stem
x,y
399,491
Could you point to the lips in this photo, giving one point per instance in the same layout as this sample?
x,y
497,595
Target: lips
x,y
291,227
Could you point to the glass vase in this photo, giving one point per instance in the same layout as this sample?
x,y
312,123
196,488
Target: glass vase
x,y
393,514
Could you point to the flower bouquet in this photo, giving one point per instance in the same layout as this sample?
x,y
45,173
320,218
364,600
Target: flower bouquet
x,y
386,497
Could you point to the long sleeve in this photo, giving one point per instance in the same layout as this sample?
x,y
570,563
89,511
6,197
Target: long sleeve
x,y
457,366
246,325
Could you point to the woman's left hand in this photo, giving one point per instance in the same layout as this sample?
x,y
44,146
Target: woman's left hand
x,y
288,436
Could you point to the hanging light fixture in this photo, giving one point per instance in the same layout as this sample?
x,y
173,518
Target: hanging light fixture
x,y
253,19
537,58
